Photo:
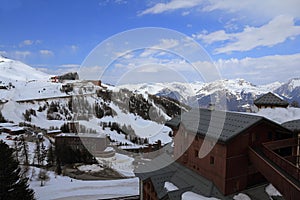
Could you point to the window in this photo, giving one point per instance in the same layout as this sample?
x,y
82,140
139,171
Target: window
x,y
196,154
270,135
237,185
212,160
253,137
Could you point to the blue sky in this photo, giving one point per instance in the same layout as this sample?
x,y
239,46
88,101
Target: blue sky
x,y
256,40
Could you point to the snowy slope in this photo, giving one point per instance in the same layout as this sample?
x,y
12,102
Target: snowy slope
x,y
61,187
14,70
290,90
24,82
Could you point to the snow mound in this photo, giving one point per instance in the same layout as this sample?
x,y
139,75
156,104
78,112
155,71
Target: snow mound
x,y
194,196
90,168
170,186
63,187
241,196
271,191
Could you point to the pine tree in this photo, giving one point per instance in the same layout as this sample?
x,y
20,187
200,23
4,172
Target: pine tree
x,y
43,154
58,167
16,150
12,184
50,156
37,153
2,119
24,150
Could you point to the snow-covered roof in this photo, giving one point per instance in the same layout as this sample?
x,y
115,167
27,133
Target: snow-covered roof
x,y
181,177
226,125
81,135
7,124
14,128
11,127
293,125
53,131
131,146
109,149
280,115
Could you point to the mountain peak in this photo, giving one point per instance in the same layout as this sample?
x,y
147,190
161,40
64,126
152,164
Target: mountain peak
x,y
16,70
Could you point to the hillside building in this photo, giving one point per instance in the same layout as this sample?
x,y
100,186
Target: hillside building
x,y
270,100
12,129
91,142
246,150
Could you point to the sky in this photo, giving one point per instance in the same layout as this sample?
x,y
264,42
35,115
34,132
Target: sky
x,y
133,41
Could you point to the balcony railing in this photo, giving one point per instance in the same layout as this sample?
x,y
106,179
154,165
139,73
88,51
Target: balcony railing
x,y
281,162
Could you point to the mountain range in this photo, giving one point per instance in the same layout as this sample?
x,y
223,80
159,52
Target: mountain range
x,y
239,93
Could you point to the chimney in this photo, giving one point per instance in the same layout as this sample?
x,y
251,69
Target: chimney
x,y
211,106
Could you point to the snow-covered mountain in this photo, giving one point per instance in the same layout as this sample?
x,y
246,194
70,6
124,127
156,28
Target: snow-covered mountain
x,y
13,70
29,96
290,90
140,102
238,93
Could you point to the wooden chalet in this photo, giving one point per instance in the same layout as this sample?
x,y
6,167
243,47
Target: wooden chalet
x,y
243,151
294,126
12,129
91,142
53,133
270,100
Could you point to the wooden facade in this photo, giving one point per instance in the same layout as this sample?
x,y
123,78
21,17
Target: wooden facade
x,y
148,191
249,151
76,142
11,129
228,164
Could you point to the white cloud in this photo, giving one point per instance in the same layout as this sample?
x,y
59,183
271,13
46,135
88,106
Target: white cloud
x,y
46,52
172,5
216,36
21,54
148,52
74,48
70,66
258,9
261,70
276,31
185,13
166,44
3,53
29,42
162,45
91,73
266,9
150,69
120,2
17,55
